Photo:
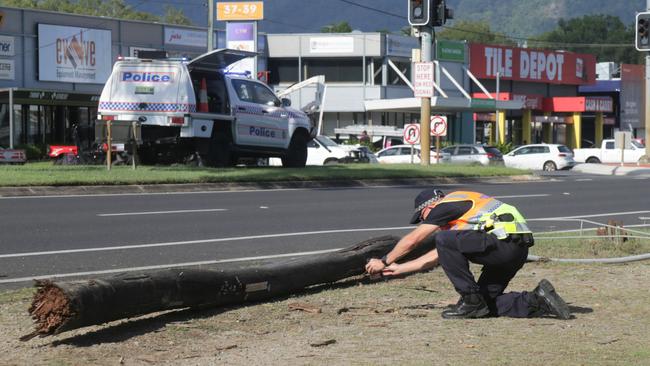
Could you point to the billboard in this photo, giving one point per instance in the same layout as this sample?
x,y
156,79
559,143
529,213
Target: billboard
x,y
7,46
532,65
73,54
186,37
631,97
241,36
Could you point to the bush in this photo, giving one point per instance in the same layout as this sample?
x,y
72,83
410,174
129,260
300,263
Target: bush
x,y
33,151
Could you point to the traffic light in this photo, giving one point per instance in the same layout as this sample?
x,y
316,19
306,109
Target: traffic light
x,y
419,13
440,13
643,31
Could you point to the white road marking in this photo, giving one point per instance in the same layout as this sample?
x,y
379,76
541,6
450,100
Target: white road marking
x,y
162,266
587,216
524,196
161,212
584,180
203,241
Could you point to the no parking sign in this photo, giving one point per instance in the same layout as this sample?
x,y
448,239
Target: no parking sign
x,y
412,133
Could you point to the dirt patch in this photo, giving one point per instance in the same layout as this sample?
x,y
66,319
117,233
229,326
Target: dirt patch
x,y
360,322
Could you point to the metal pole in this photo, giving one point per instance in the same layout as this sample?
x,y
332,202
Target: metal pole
x,y
109,147
134,146
210,24
11,118
426,34
647,99
496,116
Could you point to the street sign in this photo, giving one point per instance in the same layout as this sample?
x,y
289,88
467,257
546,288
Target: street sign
x,y
439,125
246,10
412,133
423,85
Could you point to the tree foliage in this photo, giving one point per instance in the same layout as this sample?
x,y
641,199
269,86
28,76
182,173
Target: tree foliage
x,y
602,35
109,8
340,27
473,31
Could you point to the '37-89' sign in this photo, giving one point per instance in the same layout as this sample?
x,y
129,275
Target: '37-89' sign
x,y
248,10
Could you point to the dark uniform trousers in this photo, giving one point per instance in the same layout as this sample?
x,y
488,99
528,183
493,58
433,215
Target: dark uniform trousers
x,y
501,259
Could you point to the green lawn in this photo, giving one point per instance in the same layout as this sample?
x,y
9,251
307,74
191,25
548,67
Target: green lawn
x,y
45,173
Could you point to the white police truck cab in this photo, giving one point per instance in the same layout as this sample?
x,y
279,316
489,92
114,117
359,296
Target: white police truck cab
x,y
194,108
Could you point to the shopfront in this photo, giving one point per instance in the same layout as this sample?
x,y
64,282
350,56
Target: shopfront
x,y
530,76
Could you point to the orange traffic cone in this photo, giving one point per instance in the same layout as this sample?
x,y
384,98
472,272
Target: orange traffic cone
x,y
203,97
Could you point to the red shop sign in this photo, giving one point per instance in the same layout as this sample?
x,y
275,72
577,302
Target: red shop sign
x,y
533,65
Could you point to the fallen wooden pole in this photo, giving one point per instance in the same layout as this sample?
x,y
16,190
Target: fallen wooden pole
x,y
61,306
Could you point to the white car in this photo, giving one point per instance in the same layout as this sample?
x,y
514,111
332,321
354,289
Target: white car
x,y
401,154
546,157
321,151
474,154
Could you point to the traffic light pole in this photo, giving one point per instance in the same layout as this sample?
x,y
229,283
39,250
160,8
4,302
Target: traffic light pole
x,y
647,99
426,39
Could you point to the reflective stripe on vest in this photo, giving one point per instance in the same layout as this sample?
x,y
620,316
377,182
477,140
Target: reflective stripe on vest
x,y
483,207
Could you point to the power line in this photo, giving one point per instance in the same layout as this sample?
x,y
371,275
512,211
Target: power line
x,y
504,36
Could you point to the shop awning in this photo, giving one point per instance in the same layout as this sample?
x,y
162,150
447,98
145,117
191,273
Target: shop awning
x,y
440,104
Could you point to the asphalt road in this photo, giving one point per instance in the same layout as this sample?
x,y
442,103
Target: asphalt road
x,y
83,236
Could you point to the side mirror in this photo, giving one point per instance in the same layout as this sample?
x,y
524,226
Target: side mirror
x,y
286,102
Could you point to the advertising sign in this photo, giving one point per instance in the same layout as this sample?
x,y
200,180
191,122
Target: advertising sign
x,y
134,51
400,46
246,10
73,54
525,64
450,51
185,37
7,46
599,104
423,83
331,44
241,36
7,70
632,88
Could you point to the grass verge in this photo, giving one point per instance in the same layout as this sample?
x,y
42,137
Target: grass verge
x,y
46,174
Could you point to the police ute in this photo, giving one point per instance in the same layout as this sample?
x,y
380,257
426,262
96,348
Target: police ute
x,y
194,110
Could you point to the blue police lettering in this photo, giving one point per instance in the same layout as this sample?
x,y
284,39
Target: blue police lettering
x,y
261,131
145,77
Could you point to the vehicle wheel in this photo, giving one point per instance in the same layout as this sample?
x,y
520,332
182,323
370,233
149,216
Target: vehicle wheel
x,y
331,161
549,166
593,160
297,152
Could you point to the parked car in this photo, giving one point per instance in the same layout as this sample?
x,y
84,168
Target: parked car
x,y
474,154
608,153
546,157
402,154
323,151
12,156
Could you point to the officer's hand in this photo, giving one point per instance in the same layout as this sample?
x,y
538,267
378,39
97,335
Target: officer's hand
x,y
393,269
374,266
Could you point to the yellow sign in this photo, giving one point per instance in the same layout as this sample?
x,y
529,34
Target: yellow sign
x,y
245,10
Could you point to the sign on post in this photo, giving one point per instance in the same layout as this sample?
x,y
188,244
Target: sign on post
x,y
412,136
246,10
423,85
412,133
622,140
439,126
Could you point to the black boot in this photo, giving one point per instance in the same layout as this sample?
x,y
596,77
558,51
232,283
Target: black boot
x,y
471,306
549,302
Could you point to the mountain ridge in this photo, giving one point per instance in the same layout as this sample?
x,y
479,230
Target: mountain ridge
x,y
516,18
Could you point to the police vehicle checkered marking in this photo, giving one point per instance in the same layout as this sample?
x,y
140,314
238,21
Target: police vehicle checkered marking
x,y
148,107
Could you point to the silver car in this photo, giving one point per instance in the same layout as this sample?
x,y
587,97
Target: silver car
x,y
474,154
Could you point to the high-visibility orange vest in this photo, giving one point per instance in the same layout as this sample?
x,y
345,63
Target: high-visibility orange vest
x,y
485,209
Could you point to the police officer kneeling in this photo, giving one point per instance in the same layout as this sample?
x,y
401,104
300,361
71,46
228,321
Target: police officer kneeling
x,y
479,229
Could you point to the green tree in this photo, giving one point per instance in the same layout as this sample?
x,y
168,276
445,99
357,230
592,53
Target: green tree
x,y
110,8
473,31
175,16
340,27
602,35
